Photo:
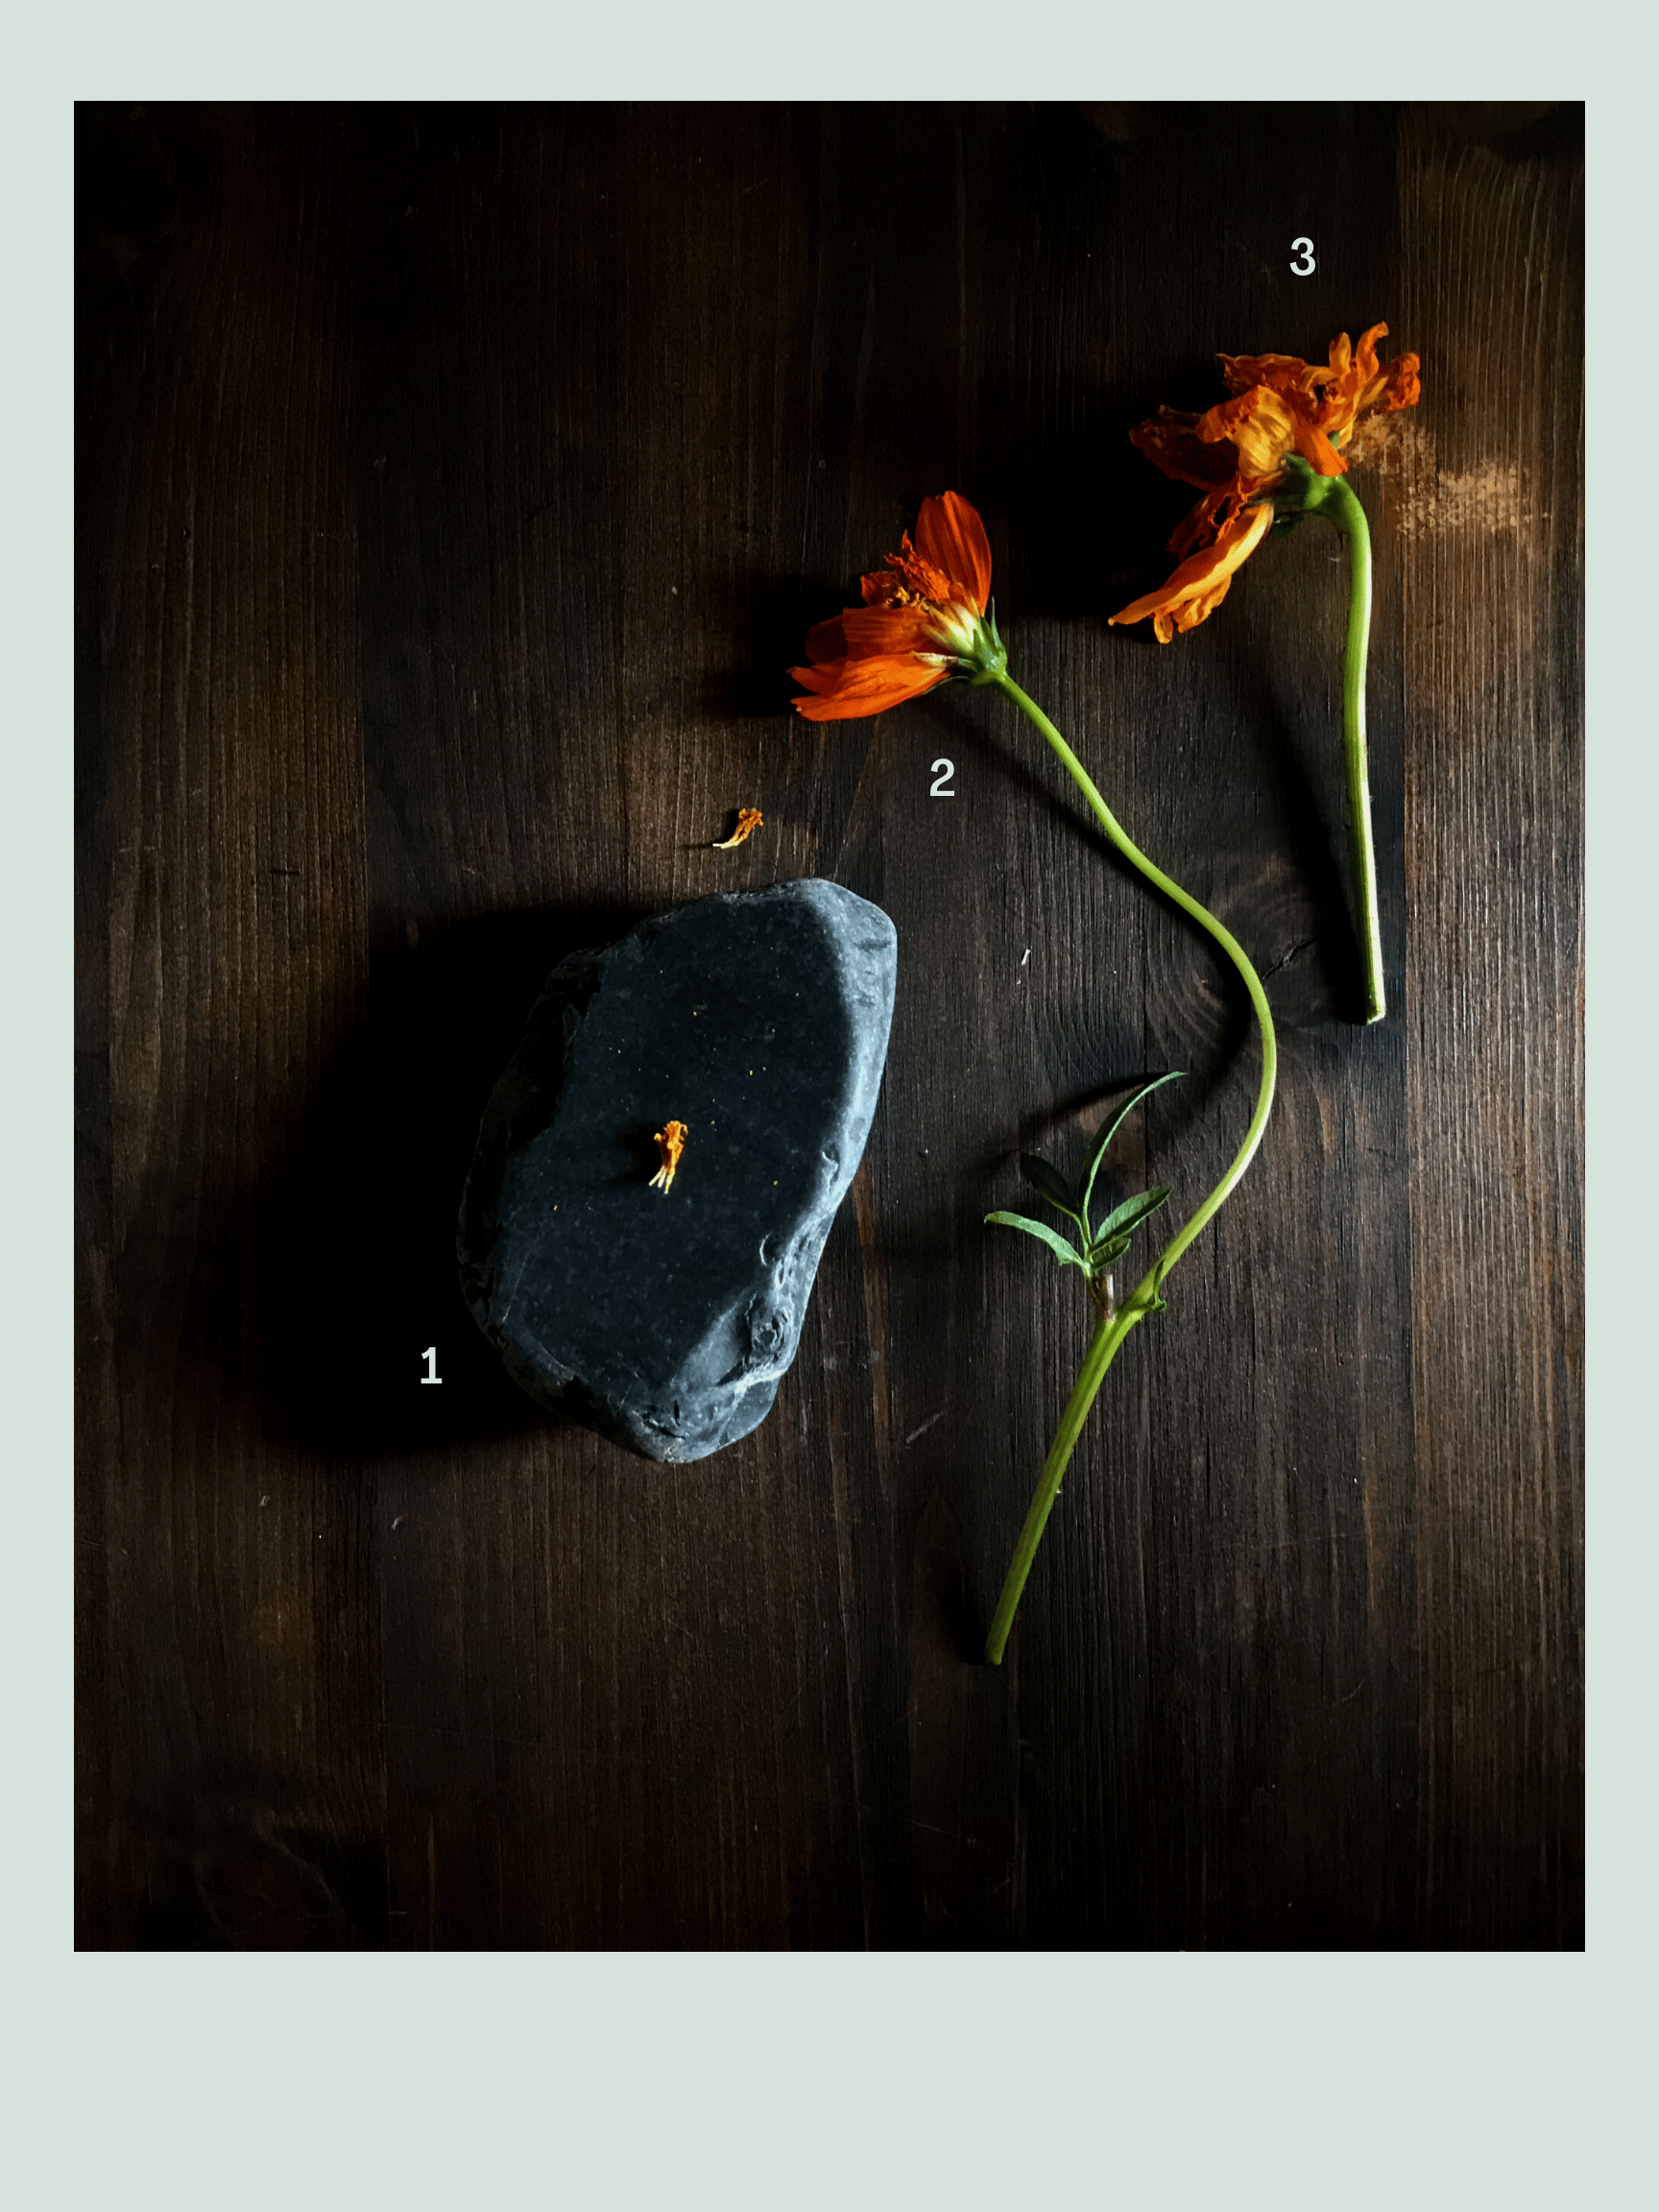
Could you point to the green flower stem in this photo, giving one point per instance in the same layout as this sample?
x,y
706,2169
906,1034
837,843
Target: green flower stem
x,y
1344,510
1102,1348
1112,1327
1333,498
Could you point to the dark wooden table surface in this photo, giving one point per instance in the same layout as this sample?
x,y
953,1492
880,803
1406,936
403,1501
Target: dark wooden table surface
x,y
454,487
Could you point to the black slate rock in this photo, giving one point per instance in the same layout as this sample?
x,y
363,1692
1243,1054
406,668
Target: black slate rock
x,y
665,1320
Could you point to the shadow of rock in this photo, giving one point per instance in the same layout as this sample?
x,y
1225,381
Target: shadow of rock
x,y
357,1269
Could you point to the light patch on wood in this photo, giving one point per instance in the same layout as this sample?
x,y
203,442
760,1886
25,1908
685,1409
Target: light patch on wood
x,y
1485,500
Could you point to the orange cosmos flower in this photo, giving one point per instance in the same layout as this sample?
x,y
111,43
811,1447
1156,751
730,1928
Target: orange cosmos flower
x,y
924,621
1237,454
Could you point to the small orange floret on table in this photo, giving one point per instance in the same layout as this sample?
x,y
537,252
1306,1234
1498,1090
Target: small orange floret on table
x,y
671,1143
748,820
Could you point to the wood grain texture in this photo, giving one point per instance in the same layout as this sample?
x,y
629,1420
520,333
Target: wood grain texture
x,y
454,487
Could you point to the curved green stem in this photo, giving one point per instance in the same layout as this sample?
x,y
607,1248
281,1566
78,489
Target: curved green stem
x,y
1145,1299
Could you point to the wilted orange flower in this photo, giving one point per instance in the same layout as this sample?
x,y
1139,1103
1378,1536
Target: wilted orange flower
x,y
749,819
1237,453
671,1143
922,621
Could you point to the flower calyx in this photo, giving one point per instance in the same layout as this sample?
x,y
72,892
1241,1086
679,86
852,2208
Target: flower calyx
x,y
1304,490
984,657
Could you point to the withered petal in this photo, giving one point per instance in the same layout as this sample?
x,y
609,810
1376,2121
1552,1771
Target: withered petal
x,y
1170,443
1200,584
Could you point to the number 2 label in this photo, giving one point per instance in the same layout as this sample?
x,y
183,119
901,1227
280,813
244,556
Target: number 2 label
x,y
942,772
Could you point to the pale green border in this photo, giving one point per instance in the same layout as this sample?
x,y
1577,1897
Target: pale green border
x,y
1145,2080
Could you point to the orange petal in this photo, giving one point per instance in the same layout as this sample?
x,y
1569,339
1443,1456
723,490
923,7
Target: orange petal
x,y
826,640
1366,387
1383,390
1340,405
950,534
899,674
849,689
1169,443
873,630
1279,372
1315,447
1401,386
748,820
1261,423
1206,521
1201,582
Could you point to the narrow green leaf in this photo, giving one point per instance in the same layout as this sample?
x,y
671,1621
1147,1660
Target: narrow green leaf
x,y
1107,1130
1124,1219
1053,1238
1046,1179
1109,1248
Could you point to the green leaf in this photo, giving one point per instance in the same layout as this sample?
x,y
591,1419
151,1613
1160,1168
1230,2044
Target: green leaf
x,y
1107,1130
1124,1220
1108,1249
1053,1238
1048,1181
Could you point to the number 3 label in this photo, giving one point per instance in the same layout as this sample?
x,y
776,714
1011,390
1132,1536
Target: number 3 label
x,y
1305,265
